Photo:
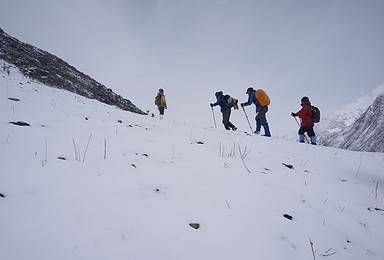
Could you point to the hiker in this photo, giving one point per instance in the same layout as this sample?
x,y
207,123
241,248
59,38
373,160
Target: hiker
x,y
225,110
307,122
261,109
160,102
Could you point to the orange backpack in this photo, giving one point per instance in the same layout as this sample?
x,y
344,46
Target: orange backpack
x,y
262,97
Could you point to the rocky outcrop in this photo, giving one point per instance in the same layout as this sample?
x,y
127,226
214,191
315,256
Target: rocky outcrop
x,y
365,134
50,70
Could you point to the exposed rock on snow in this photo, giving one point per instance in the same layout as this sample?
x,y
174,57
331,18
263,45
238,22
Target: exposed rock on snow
x,y
52,71
195,225
288,216
365,134
20,123
358,126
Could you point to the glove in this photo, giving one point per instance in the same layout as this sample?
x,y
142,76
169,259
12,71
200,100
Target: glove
x,y
166,107
211,105
242,104
293,114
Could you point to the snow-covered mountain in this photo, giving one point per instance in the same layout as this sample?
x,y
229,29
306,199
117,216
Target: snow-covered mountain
x,y
80,179
48,69
358,126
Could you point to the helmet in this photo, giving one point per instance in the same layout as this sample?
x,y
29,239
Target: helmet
x,y
249,90
161,90
304,99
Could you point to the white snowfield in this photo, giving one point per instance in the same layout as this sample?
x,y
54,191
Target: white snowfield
x,y
78,184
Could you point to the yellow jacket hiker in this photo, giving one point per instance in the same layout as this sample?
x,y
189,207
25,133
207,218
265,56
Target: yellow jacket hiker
x,y
160,102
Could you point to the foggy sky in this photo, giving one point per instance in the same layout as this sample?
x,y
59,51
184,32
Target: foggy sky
x,y
329,50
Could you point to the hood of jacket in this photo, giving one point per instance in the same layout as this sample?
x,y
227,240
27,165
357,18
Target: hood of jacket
x,y
219,93
306,103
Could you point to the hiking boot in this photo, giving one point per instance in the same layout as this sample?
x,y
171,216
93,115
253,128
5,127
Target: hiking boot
x,y
313,143
257,132
266,130
234,128
301,141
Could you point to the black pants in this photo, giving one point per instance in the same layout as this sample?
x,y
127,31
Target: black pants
x,y
161,110
307,129
226,116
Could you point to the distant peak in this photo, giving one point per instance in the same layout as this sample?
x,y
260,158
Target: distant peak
x,y
378,91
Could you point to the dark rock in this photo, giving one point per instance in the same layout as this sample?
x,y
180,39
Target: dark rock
x,y
14,99
288,165
195,225
288,216
2,195
20,123
376,208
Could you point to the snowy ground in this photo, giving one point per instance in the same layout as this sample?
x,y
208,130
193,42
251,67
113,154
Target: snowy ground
x,y
79,184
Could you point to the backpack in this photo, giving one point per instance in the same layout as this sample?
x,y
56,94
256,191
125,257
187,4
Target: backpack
x,y
315,114
158,100
231,102
262,97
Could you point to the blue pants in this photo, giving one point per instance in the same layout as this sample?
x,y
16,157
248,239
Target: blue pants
x,y
261,118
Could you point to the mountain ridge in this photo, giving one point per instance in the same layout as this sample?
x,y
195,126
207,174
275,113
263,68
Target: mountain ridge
x,y
357,126
50,70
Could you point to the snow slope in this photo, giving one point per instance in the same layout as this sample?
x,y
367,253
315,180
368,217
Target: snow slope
x,y
88,181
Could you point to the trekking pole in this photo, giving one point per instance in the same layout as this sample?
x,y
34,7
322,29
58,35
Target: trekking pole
x,y
247,119
214,119
300,127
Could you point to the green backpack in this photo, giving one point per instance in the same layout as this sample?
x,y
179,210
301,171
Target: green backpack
x,y
158,100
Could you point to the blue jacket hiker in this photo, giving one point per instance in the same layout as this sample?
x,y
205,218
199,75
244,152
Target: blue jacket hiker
x,y
225,110
261,109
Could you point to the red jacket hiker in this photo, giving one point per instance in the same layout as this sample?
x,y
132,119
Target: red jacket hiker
x,y
306,121
306,114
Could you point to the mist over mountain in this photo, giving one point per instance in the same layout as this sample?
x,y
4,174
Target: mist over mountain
x,y
358,126
48,69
